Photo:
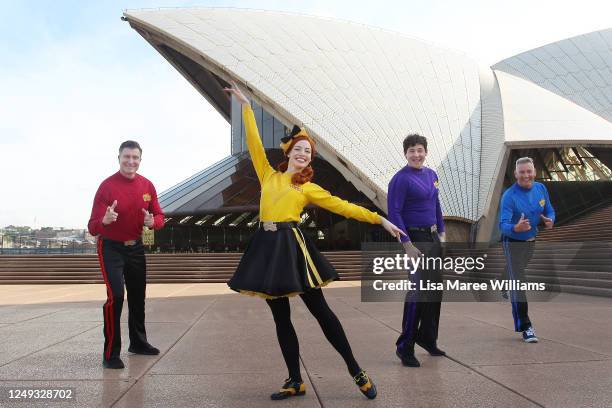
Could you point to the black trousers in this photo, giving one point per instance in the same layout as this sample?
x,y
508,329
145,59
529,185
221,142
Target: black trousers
x,y
422,308
518,254
318,307
123,265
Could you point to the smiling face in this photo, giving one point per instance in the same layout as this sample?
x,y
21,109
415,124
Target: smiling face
x,y
299,156
525,174
129,161
416,156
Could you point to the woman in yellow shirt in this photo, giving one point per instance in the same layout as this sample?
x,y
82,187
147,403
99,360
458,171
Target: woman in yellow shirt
x,y
280,261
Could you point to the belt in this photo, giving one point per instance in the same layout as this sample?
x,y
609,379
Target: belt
x,y
521,240
131,242
273,226
430,229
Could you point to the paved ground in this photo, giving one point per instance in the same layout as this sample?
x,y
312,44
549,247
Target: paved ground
x,y
219,349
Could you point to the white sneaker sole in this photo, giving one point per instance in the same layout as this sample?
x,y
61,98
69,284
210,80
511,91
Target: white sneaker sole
x,y
532,340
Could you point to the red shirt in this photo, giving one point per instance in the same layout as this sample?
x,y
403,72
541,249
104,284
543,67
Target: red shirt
x,y
132,196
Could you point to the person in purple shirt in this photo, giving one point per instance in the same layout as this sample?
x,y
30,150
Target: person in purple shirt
x,y
414,206
523,206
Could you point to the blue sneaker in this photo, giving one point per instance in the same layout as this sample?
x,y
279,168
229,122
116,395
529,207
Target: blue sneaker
x,y
529,335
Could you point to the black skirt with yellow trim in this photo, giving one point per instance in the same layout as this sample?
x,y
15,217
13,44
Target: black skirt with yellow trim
x,y
281,263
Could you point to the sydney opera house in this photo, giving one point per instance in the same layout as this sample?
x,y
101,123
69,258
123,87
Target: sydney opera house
x,y
359,91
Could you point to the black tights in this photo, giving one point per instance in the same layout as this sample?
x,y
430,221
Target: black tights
x,y
316,304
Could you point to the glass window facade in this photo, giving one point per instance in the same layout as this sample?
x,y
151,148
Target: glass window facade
x,y
573,163
577,177
271,129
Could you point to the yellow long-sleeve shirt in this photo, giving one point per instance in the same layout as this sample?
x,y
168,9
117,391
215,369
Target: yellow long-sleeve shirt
x,y
282,201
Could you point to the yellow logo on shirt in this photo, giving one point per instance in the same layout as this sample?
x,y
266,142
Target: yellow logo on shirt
x,y
436,184
542,202
146,197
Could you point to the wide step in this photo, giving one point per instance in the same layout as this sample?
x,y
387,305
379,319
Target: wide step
x,y
573,267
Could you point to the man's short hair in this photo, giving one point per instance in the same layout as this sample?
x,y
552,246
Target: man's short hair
x,y
413,140
523,160
129,144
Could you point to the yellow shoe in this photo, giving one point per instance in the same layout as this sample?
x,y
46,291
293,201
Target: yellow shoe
x,y
366,385
290,389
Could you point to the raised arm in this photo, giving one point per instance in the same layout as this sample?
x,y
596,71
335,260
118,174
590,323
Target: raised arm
x,y
256,149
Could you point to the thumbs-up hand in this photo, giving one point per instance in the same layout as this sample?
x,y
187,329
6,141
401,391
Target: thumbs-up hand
x,y
522,225
148,218
548,222
110,216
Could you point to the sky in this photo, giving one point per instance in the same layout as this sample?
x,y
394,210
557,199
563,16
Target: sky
x,y
76,81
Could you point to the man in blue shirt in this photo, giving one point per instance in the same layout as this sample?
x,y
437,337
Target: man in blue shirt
x,y
523,205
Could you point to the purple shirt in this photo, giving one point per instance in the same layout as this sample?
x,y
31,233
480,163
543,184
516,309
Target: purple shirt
x,y
412,199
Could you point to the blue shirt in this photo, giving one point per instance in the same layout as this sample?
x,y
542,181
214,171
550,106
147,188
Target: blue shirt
x,y
412,200
532,202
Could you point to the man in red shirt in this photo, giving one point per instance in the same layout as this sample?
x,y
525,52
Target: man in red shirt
x,y
124,204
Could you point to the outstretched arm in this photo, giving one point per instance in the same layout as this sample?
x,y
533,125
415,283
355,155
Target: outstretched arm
x,y
324,199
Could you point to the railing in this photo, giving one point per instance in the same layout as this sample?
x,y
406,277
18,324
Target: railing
x,y
15,243
47,250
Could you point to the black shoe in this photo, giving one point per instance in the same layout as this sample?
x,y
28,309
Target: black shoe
x,y
432,349
114,363
504,294
408,359
290,389
145,349
366,385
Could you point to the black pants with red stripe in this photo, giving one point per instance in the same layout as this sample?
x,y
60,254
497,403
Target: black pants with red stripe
x,y
123,265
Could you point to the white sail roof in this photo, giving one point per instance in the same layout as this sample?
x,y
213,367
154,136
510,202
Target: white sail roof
x,y
358,89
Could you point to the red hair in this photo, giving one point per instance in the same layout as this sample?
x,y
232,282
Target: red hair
x,y
304,176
